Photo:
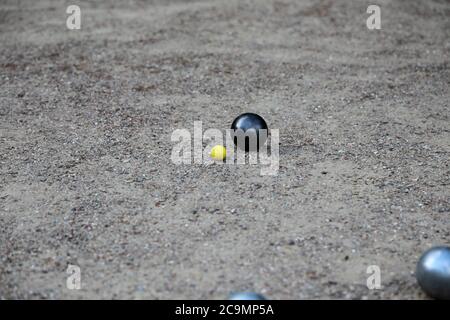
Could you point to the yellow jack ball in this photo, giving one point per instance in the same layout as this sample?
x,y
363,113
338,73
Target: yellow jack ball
x,y
218,153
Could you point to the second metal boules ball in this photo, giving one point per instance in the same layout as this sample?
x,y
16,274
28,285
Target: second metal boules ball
x,y
249,129
433,272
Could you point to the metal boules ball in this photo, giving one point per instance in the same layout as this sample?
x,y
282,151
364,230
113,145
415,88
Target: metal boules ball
x,y
246,296
250,131
433,272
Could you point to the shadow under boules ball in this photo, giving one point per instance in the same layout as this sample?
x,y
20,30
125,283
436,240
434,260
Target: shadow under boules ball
x,y
246,127
433,272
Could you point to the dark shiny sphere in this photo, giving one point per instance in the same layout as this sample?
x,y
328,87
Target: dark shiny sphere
x,y
250,124
246,296
433,272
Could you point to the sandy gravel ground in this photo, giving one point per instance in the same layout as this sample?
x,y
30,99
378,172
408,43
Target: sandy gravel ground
x,y
86,118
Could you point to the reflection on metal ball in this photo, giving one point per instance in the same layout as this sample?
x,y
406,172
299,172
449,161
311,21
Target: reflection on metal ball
x,y
433,272
246,296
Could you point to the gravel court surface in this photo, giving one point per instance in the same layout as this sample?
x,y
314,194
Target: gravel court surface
x,y
86,118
